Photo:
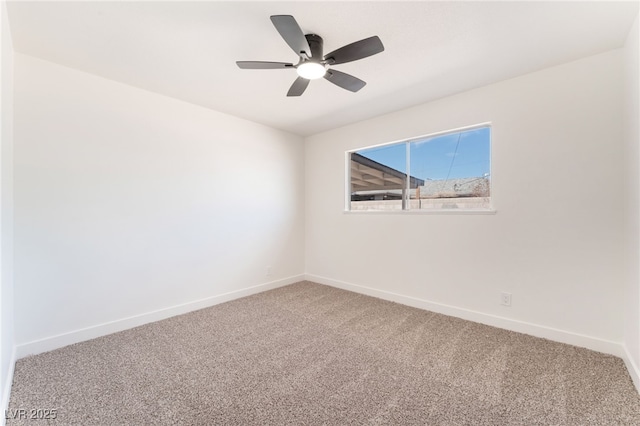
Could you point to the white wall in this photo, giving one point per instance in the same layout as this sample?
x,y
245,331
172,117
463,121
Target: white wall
x,y
556,241
128,202
6,209
632,195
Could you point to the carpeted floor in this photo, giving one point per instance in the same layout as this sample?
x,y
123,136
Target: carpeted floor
x,y
312,354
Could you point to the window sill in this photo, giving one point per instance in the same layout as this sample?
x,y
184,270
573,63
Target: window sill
x,y
424,212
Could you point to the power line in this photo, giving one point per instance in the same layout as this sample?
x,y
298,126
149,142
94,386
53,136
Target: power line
x,y
451,165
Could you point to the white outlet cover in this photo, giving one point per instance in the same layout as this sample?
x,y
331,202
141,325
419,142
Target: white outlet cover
x,y
505,299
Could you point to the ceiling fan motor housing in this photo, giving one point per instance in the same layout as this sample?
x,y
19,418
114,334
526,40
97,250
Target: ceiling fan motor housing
x,y
315,44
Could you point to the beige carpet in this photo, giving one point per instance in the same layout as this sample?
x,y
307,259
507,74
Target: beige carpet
x,y
312,354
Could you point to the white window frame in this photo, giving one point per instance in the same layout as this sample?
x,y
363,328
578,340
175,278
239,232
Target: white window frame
x,y
347,188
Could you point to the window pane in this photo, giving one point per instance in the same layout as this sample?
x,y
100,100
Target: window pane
x,y
455,169
378,178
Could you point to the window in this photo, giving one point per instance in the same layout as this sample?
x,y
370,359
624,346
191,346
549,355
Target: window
x,y
432,173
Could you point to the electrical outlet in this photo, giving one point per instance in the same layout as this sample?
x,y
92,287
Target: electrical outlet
x,y
505,299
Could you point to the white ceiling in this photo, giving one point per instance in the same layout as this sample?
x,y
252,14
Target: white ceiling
x,y
187,50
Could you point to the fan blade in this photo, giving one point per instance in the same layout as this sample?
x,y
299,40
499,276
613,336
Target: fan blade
x,y
354,51
259,65
298,87
345,81
292,34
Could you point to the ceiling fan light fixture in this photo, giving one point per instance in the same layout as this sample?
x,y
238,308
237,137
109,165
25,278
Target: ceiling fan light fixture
x,y
311,70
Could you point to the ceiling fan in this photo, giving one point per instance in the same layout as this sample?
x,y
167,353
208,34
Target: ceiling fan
x,y
312,65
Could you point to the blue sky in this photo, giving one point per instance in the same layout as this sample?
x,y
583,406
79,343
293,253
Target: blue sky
x,y
456,155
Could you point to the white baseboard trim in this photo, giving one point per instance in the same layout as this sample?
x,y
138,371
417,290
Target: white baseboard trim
x,y
6,394
88,333
634,371
589,342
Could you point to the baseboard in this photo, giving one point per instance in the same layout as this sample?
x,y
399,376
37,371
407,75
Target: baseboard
x,y
589,342
633,369
61,340
6,394
88,333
